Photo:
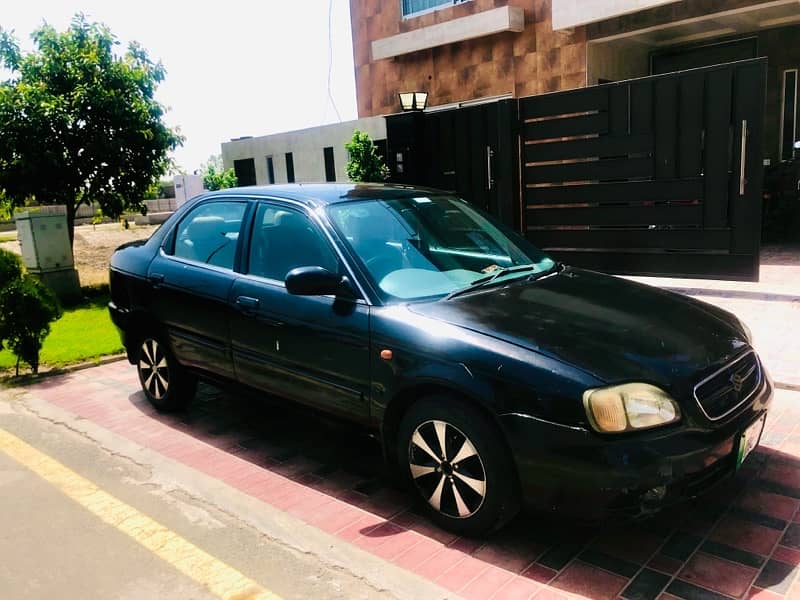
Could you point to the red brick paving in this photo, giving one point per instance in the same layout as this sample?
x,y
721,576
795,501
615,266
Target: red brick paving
x,y
266,462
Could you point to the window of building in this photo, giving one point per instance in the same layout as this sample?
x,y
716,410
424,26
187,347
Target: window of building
x,y
788,114
289,167
210,232
330,168
414,7
270,170
245,170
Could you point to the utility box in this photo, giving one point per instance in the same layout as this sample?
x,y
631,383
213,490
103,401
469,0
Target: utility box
x,y
46,252
186,188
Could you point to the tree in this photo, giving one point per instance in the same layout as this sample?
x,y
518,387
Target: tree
x,y
80,122
27,307
215,177
365,164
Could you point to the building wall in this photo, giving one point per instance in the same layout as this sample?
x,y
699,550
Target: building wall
x,y
306,146
534,61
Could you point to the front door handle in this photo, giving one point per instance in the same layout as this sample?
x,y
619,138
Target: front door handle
x,y
248,304
155,279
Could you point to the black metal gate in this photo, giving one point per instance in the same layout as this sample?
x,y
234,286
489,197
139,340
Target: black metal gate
x,y
659,176
472,151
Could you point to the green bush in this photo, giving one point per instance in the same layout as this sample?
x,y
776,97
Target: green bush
x,y
10,267
364,164
27,307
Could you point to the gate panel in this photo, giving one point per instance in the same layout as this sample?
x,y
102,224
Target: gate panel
x,y
659,175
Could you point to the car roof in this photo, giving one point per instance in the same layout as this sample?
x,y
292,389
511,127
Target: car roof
x,y
321,194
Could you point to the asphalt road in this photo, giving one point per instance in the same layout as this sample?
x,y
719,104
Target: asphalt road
x,y
58,484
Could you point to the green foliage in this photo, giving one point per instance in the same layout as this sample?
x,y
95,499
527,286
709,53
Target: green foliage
x,y
80,122
84,332
215,177
27,307
365,164
10,270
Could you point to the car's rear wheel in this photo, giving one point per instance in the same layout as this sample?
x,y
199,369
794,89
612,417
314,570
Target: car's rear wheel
x,y
166,384
458,464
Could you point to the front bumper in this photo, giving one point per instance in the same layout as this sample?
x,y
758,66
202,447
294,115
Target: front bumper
x,y
591,476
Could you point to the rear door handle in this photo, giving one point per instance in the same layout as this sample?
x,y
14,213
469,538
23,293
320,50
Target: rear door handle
x,y
248,304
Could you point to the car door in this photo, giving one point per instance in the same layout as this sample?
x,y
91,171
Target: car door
x,y
312,349
192,276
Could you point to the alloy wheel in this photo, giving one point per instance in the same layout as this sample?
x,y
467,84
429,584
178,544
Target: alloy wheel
x,y
447,469
153,369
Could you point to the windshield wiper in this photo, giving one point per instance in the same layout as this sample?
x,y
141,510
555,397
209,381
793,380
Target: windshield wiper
x,y
489,279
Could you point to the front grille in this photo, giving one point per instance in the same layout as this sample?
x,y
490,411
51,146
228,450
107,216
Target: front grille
x,y
729,388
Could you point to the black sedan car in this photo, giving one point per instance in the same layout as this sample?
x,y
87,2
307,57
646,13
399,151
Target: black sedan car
x,y
495,376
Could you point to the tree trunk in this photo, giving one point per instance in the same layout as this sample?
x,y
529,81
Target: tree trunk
x,y
71,209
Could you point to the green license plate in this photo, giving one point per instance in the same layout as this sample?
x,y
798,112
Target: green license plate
x,y
748,440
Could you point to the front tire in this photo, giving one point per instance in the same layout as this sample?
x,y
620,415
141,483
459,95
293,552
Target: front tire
x,y
456,461
165,383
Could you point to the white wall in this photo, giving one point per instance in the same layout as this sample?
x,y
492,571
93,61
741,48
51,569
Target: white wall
x,y
571,13
306,146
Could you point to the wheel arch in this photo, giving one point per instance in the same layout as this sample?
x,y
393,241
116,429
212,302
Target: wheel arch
x,y
139,324
407,396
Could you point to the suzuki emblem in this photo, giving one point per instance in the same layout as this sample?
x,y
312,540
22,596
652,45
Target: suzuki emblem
x,y
737,381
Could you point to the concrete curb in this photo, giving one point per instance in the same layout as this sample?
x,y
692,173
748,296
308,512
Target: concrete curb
x,y
30,378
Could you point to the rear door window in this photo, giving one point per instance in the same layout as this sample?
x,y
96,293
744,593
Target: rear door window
x,y
209,234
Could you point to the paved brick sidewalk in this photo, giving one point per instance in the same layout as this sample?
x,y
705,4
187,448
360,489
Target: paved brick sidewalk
x,y
741,542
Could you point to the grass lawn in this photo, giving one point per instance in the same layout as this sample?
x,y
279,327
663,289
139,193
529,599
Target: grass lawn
x,y
82,333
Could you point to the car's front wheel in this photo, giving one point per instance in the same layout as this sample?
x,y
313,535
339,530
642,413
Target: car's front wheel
x,y
166,384
458,464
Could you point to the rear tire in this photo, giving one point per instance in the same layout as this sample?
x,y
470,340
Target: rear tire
x,y
165,383
469,486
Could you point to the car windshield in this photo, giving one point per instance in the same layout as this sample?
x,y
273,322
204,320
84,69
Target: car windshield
x,y
429,246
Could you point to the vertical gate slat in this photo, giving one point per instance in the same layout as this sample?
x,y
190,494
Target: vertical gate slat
x,y
641,107
717,140
690,142
477,132
618,110
462,141
666,116
491,127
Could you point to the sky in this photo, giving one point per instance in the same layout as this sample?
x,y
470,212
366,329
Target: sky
x,y
234,68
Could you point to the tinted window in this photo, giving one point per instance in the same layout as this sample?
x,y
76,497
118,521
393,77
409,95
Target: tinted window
x,y
270,170
245,170
284,239
289,167
209,233
330,168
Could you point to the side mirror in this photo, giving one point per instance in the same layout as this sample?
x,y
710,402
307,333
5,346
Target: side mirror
x,y
316,281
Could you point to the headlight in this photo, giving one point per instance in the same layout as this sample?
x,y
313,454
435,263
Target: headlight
x,y
629,407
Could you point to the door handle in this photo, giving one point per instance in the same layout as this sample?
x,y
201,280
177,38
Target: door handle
x,y
155,279
743,159
247,304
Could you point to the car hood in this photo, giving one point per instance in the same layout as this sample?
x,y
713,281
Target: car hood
x,y
612,328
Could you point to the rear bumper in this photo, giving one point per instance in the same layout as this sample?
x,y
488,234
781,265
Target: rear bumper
x,y
589,476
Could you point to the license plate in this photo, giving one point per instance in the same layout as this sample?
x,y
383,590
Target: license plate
x,y
749,440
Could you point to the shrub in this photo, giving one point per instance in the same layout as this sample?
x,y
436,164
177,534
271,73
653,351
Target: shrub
x,y
365,164
10,267
27,307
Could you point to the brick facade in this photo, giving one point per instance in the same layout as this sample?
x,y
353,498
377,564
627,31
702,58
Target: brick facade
x,y
534,61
